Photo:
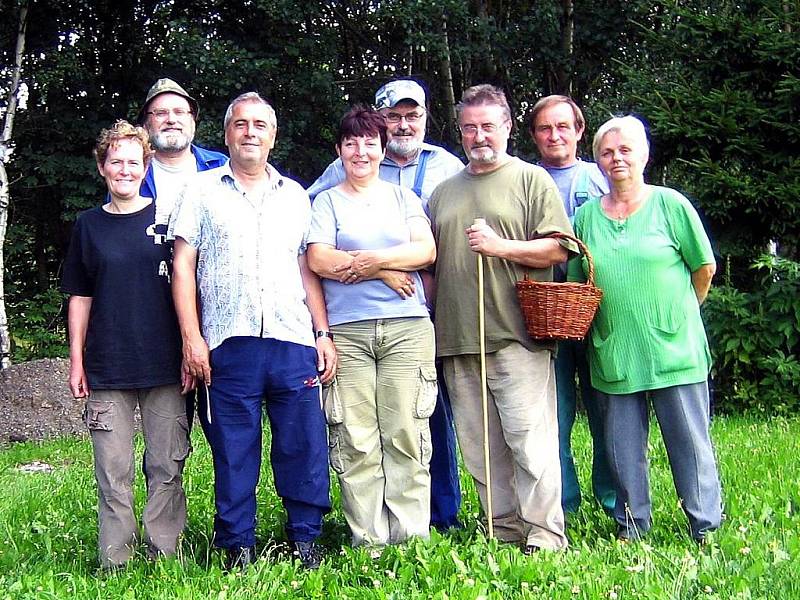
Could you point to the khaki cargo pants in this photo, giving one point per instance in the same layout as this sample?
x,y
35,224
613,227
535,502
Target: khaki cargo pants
x,y
109,417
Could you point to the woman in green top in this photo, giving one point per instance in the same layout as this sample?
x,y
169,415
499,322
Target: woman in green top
x,y
654,262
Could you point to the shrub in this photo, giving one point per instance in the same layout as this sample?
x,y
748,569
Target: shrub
x,y
755,339
38,327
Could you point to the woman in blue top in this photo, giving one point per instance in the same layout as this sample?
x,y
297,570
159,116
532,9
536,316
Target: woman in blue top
x,y
367,241
654,262
125,350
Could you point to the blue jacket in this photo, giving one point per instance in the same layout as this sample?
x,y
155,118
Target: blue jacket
x,y
206,159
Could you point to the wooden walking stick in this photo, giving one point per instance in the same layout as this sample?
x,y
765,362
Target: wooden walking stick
x,y
484,394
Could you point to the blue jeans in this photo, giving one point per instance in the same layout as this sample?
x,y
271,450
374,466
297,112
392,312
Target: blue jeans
x,y
571,360
245,370
445,484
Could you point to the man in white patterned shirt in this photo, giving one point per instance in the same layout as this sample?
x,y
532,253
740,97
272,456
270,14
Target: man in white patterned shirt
x,y
240,233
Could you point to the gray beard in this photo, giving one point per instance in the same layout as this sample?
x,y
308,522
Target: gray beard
x,y
405,147
170,142
483,158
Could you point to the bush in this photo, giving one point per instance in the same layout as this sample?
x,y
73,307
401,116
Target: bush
x,y
755,339
38,327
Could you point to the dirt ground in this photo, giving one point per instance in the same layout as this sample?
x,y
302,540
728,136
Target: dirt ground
x,y
35,403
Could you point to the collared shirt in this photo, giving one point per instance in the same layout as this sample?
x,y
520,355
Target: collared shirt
x,y
441,165
248,276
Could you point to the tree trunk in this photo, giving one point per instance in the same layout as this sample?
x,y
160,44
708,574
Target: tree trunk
x,y
5,195
567,48
449,99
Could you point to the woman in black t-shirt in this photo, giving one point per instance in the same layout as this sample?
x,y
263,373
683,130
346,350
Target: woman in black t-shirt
x,y
125,350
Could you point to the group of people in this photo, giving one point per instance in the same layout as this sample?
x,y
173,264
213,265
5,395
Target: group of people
x,y
348,312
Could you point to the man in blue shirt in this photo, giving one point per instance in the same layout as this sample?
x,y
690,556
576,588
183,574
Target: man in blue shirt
x,y
556,125
415,164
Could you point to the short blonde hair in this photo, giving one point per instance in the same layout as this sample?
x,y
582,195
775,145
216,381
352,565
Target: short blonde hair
x,y
121,130
627,125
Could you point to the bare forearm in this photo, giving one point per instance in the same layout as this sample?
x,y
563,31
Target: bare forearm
x,y
701,281
538,254
406,257
184,295
78,323
323,260
315,299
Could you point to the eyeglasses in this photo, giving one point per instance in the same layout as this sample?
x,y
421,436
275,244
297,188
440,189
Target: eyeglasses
x,y
487,128
411,117
163,113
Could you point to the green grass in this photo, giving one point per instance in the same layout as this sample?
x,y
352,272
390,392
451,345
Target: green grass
x,y
48,537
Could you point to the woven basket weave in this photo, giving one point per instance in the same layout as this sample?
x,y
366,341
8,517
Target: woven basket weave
x,y
559,311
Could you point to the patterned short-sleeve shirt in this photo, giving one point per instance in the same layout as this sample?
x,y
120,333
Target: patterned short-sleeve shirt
x,y
248,275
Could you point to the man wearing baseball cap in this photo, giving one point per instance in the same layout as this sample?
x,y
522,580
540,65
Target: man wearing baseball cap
x,y
169,115
419,166
409,161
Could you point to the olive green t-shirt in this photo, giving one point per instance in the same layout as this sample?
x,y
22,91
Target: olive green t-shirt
x,y
647,333
519,201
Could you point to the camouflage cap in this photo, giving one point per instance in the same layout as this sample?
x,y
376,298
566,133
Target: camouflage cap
x,y
398,90
163,86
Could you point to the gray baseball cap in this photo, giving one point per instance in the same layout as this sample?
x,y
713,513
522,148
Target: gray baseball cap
x,y
398,90
163,86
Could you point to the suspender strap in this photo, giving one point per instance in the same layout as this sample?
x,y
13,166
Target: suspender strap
x,y
420,175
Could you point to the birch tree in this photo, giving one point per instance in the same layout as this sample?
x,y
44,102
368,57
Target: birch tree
x,y
5,196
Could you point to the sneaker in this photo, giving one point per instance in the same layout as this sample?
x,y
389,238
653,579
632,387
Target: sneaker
x,y
530,549
309,554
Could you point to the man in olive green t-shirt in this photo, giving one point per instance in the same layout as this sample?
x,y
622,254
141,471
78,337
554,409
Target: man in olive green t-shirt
x,y
519,202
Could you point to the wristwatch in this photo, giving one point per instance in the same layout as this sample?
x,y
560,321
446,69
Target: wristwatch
x,y
322,333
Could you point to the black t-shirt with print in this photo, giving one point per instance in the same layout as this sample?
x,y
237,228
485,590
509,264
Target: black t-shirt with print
x,y
133,340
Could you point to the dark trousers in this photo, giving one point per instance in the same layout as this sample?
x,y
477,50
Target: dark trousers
x,y
445,486
571,361
245,371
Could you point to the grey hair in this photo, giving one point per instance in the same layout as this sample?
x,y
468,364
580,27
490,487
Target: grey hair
x,y
255,98
484,94
627,125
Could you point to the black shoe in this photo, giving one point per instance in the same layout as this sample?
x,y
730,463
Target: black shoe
x,y
530,549
239,558
309,553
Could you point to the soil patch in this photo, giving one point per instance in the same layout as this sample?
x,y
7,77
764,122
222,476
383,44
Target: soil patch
x,y
35,402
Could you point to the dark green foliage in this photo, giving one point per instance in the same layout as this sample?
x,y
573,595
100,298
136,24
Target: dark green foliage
x,y
38,327
755,340
718,83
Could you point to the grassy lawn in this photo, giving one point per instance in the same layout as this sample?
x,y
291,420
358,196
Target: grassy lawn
x,y
48,537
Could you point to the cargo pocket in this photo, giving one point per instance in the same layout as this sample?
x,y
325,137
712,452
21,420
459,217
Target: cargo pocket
x,y
99,416
335,453
427,389
332,404
181,445
425,445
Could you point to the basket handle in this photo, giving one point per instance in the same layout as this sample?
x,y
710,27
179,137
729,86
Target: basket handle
x,y
584,250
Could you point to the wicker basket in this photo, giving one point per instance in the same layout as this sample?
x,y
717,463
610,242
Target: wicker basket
x,y
559,311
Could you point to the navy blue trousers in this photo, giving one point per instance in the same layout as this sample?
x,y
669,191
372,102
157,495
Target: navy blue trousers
x,y
245,371
445,487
